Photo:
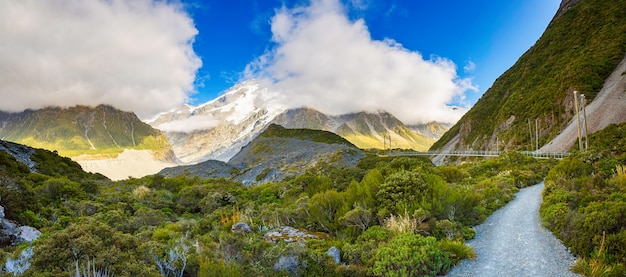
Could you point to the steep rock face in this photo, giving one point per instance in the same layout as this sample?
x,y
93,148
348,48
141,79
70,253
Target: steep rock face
x,y
364,129
533,100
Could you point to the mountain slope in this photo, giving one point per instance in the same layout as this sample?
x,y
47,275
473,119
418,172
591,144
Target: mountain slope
x,y
275,154
364,129
91,135
81,130
432,129
578,51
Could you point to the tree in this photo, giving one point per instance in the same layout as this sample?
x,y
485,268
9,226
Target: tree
x,y
323,208
357,217
411,255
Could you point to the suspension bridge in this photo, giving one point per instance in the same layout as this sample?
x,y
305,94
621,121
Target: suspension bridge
x,y
481,153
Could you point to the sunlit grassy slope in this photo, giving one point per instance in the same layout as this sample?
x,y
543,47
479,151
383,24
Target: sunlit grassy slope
x,y
103,131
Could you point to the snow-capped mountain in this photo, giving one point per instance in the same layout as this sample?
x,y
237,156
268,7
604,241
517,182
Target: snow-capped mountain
x,y
218,129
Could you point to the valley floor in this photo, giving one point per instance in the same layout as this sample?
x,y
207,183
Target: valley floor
x,y
130,163
512,242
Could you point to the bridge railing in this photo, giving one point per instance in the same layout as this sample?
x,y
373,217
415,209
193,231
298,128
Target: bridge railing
x,y
481,153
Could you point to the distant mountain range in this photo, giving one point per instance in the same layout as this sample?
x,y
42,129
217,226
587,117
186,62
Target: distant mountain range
x,y
218,129
117,144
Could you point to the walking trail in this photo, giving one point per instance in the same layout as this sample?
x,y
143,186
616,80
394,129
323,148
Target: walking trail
x,y
512,242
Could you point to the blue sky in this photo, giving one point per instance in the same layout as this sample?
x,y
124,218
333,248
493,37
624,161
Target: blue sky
x,y
410,58
488,35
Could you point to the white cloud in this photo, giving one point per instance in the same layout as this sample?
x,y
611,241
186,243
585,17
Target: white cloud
x,y
469,67
325,61
135,55
190,124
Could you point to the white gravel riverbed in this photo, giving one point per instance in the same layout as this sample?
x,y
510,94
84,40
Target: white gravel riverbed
x,y
512,242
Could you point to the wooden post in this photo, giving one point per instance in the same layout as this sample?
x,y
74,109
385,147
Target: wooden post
x,y
585,121
530,132
580,142
536,134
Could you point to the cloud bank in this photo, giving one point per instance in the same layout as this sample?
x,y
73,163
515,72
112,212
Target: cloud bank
x,y
135,55
190,124
322,59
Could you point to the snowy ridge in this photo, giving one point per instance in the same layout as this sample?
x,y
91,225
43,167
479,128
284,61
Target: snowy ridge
x,y
219,128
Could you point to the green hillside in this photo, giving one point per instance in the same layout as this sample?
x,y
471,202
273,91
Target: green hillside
x,y
102,130
578,51
277,131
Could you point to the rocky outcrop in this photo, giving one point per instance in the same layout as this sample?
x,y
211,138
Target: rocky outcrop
x,y
11,234
334,253
288,264
241,228
290,234
20,264
20,152
565,5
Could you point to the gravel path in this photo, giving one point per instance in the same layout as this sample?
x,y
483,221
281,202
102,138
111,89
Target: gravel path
x,y
512,242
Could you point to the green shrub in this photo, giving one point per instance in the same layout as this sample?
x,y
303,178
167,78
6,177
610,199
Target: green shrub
x,y
458,250
411,255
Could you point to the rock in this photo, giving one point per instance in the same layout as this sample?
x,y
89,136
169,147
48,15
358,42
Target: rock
x,y
20,264
241,227
8,232
28,234
289,264
11,234
290,234
334,253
